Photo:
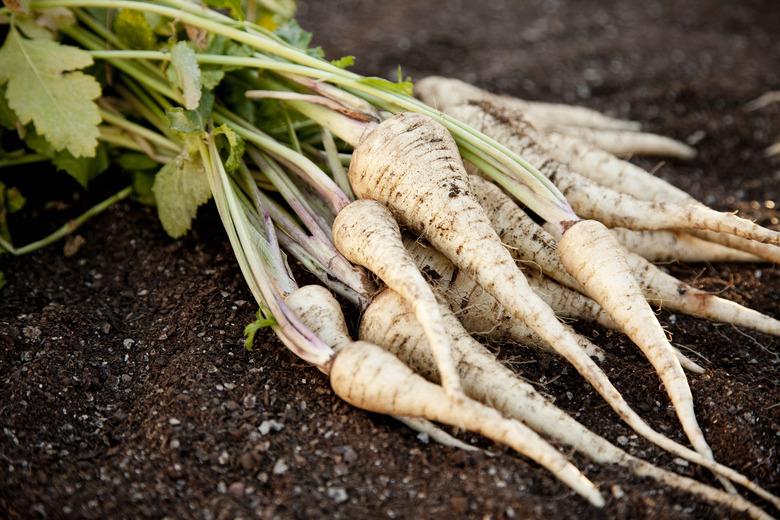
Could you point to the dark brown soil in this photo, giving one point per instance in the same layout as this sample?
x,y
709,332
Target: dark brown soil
x,y
126,391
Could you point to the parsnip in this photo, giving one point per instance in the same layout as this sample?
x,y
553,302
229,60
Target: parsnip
x,y
622,143
411,164
367,234
591,200
389,323
668,246
373,379
440,92
534,246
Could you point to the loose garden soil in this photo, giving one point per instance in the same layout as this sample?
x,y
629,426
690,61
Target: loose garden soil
x,y
125,390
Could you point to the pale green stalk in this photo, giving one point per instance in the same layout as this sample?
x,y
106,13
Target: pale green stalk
x,y
70,226
334,163
296,336
535,185
139,130
24,159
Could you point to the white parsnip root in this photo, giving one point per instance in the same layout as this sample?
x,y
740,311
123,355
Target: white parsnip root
x,y
318,309
440,92
601,132
768,252
590,200
367,234
411,164
608,279
479,311
623,143
532,245
373,379
609,171
668,246
389,323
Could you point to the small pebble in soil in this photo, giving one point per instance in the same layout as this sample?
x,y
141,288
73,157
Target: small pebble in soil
x,y
236,489
622,440
249,401
617,492
223,458
268,426
31,332
280,468
173,421
349,454
337,494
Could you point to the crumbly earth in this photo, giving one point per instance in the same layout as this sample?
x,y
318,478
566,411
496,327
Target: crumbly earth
x,y
126,391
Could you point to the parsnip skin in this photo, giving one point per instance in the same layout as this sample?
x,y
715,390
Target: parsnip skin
x,y
373,379
370,378
464,302
389,323
441,92
320,312
624,144
318,309
367,234
477,310
608,279
532,245
590,200
609,171
677,246
767,252
668,292
411,164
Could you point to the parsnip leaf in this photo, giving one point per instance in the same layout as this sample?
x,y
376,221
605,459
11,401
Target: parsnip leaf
x,y
263,320
344,62
143,182
188,121
186,74
402,87
180,187
233,7
235,147
293,34
132,162
7,116
15,201
134,30
43,89
83,169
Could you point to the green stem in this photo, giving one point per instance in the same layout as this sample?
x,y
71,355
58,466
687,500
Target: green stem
x,y
74,224
139,130
24,159
550,202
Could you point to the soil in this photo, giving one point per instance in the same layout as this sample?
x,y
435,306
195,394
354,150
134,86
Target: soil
x,y
126,391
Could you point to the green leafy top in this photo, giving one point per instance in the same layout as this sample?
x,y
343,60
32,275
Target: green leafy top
x,y
233,7
405,87
134,30
293,34
186,74
180,187
43,89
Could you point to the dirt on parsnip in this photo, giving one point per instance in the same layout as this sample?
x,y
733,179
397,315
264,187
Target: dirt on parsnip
x,y
126,391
